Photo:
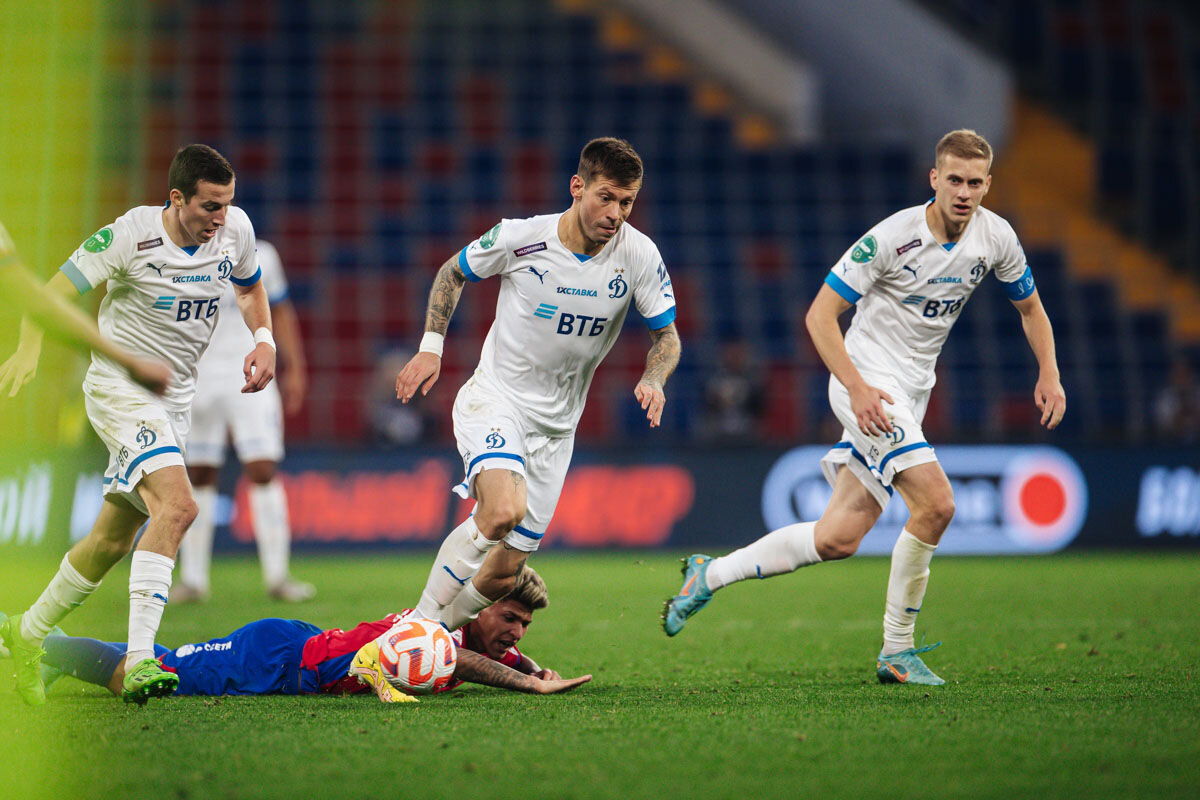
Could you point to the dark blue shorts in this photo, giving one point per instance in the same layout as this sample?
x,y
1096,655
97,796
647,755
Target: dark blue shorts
x,y
262,657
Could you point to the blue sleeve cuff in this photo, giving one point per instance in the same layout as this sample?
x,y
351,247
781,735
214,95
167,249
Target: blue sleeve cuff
x,y
662,320
253,279
466,269
69,269
1022,287
839,286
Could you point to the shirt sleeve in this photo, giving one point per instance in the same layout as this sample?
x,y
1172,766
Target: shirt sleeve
x,y
487,255
859,267
103,256
246,271
1011,267
652,291
273,278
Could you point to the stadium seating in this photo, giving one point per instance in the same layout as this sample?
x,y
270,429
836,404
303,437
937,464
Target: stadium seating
x,y
372,140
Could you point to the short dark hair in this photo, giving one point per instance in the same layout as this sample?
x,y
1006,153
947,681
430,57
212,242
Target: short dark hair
x,y
195,163
613,158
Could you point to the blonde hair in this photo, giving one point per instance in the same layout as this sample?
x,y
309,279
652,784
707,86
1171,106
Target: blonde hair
x,y
530,590
963,143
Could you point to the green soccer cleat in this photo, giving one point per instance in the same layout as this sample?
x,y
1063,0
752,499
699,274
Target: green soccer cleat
x,y
692,596
148,679
27,661
907,667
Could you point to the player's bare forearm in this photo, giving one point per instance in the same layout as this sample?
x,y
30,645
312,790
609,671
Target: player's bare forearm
x,y
443,297
287,335
476,668
255,307
1048,392
663,356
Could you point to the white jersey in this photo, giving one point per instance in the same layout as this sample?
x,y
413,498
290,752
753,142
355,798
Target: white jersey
x,y
162,301
231,339
910,290
557,316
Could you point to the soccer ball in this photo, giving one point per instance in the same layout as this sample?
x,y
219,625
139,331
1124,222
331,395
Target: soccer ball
x,y
417,656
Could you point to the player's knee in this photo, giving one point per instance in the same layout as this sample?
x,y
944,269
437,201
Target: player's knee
x,y
180,515
499,518
260,471
836,549
938,512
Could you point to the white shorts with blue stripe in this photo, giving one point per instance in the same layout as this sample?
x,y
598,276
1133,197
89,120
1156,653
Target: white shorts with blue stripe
x,y
492,434
141,434
875,460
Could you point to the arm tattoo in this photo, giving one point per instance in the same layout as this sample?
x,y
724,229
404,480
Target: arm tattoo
x,y
478,668
443,297
663,356
517,479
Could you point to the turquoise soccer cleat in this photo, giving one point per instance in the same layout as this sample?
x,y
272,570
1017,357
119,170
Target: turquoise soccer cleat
x,y
27,661
147,679
693,595
907,667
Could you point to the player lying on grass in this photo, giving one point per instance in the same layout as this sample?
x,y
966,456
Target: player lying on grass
x,y
281,656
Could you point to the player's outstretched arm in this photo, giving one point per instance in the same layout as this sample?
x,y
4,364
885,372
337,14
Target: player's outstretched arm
x,y
1048,392
477,668
660,363
259,366
866,401
423,369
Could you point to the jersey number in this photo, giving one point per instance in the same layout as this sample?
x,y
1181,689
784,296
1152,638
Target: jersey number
x,y
941,308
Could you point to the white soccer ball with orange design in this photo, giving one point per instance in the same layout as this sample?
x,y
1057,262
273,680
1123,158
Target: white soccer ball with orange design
x,y
417,656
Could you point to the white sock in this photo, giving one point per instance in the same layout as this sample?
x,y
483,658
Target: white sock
x,y
458,559
149,587
784,550
272,531
466,607
906,591
66,590
195,551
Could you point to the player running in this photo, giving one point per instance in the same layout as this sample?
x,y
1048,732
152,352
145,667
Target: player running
x,y
165,269
20,289
255,421
567,281
910,277
288,656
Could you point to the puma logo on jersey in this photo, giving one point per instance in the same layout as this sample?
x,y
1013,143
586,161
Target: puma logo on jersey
x,y
913,269
540,275
156,269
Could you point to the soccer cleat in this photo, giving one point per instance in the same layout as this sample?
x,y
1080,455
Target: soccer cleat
x,y
366,667
27,661
907,667
692,596
290,590
148,679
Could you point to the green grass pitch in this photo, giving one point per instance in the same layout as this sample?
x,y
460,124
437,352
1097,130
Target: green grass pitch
x,y
1068,676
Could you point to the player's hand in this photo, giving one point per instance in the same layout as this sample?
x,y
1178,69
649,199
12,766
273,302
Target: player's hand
x,y
867,404
547,675
1051,400
650,394
258,368
293,382
17,371
152,374
421,371
558,685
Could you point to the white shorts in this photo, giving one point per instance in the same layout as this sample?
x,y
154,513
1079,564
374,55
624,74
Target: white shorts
x,y
141,434
492,435
220,409
875,460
